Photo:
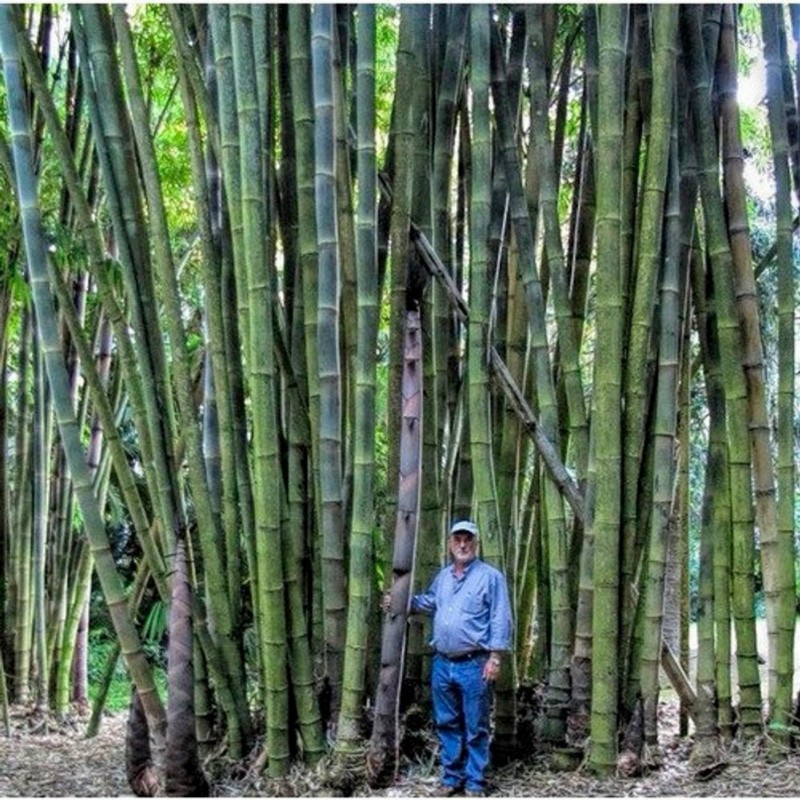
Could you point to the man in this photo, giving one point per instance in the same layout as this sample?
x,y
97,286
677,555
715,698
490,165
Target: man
x,y
471,629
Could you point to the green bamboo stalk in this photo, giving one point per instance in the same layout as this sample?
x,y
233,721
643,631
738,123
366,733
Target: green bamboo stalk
x,y
41,508
719,490
303,124
778,556
443,151
346,240
706,740
287,179
20,558
403,132
481,438
254,278
439,326
221,246
580,257
665,19
294,496
363,522
328,349
481,434
548,204
644,280
705,710
4,697
638,386
514,447
607,382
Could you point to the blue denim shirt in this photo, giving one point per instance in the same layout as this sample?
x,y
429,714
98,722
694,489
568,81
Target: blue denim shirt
x,y
469,613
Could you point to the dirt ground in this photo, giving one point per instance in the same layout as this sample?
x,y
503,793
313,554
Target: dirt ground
x,y
61,763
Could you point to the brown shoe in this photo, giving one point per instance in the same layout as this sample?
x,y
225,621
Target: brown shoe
x,y
448,789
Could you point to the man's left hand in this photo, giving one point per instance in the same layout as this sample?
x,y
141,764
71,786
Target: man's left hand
x,y
491,669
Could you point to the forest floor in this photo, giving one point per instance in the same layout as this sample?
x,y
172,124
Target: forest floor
x,y
60,762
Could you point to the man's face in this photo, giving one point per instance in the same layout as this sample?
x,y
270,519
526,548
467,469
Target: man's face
x,y
463,547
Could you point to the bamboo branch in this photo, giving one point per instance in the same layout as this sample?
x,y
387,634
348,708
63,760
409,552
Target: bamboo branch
x,y
678,678
558,472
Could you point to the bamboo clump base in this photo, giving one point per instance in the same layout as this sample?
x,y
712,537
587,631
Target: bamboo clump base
x,y
62,763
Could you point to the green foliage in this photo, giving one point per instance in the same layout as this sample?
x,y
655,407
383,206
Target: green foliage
x,y
387,26
102,645
101,648
119,693
159,76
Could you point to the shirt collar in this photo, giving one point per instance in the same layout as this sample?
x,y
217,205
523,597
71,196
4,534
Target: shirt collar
x,y
467,567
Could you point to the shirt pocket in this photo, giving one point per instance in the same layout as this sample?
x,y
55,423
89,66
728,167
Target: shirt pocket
x,y
475,604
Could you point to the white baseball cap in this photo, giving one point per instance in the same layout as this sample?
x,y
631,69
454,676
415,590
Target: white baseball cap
x,y
464,526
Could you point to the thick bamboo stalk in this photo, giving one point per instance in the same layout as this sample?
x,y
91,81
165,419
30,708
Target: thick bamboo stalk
x,y
41,502
522,217
300,491
778,556
481,433
363,522
481,438
303,130
253,278
328,349
548,205
20,621
607,382
384,746
667,379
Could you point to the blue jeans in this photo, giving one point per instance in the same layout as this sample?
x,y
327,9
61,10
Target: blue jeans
x,y
462,702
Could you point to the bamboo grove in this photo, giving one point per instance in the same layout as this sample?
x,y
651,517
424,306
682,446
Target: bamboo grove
x,y
287,288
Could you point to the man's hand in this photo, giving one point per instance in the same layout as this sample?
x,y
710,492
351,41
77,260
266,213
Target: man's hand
x,y
386,602
491,669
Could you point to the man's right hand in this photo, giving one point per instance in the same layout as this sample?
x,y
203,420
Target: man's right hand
x,y
386,602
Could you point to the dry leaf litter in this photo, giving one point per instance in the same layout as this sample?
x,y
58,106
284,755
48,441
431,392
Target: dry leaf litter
x,y
57,761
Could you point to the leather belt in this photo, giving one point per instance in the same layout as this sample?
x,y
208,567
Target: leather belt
x,y
457,657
